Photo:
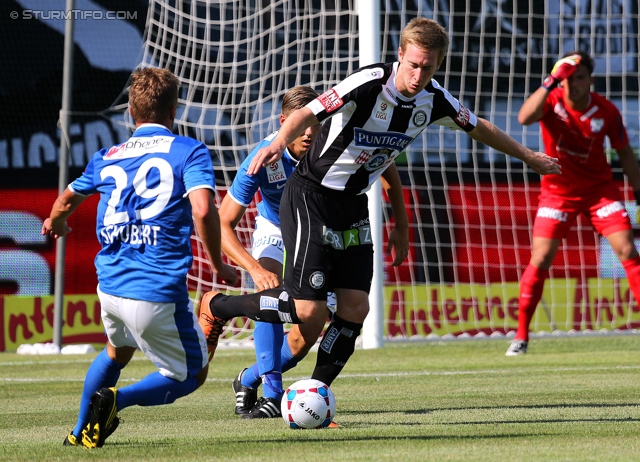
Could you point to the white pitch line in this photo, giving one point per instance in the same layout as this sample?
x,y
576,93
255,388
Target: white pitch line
x,y
509,371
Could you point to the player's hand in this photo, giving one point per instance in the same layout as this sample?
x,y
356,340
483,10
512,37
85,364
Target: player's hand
x,y
264,279
228,274
265,156
55,230
544,164
398,241
561,70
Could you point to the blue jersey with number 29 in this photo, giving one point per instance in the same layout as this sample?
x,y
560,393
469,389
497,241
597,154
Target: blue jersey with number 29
x,y
144,221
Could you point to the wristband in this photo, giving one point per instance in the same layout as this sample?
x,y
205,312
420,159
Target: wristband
x,y
550,83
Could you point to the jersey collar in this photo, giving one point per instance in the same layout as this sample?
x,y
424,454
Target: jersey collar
x,y
290,157
394,90
150,127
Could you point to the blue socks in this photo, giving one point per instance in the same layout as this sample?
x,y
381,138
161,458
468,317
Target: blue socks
x,y
103,372
286,356
155,389
269,339
252,376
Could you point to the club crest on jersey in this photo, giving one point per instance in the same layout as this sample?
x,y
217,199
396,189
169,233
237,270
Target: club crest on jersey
x,y
330,100
275,172
393,141
419,118
596,125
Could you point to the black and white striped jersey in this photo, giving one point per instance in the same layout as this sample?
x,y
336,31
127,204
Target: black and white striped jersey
x,y
370,124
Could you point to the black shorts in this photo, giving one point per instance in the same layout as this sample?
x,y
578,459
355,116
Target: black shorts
x,y
327,240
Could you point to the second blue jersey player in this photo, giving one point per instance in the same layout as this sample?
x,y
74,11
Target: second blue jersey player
x,y
264,262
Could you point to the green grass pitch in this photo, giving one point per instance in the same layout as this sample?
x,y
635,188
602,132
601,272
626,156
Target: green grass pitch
x,y
574,398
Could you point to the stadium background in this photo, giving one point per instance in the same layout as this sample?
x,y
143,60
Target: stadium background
x,y
107,51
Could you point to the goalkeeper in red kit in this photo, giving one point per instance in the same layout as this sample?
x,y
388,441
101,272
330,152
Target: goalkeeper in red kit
x,y
574,122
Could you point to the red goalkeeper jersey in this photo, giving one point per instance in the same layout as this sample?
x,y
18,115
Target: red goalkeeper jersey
x,y
577,139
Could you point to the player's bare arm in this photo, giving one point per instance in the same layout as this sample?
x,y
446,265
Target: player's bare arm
x,y
231,213
399,235
207,223
56,225
489,134
296,123
531,110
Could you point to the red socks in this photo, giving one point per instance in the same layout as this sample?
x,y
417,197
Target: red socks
x,y
531,286
632,268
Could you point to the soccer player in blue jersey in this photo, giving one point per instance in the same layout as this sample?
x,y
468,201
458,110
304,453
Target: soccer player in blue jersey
x,y
369,119
264,264
152,189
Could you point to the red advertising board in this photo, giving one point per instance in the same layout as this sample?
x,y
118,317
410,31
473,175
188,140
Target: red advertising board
x,y
21,239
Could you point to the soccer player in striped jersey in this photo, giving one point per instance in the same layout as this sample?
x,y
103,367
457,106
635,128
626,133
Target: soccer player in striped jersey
x,y
575,122
369,119
152,189
274,354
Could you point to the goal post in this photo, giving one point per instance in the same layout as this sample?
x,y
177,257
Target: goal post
x,y
470,208
373,328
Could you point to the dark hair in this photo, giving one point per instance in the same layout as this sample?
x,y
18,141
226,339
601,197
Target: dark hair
x,y
586,61
297,98
152,94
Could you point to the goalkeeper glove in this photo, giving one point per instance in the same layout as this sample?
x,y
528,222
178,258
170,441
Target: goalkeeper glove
x,y
637,195
561,70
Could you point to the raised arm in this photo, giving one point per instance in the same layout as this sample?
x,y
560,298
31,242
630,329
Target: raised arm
x,y
296,123
230,215
207,223
489,134
531,110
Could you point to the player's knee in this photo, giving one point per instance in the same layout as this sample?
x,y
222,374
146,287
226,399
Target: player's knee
x,y
121,355
302,337
626,251
354,313
310,311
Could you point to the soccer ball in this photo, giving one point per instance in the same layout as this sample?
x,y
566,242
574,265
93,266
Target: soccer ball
x,y
308,403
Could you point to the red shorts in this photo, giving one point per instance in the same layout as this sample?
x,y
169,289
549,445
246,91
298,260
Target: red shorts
x,y
604,209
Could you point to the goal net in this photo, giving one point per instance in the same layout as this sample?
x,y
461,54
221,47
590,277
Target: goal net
x,y
471,209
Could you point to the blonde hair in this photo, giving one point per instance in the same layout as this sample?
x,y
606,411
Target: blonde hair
x,y
425,34
297,98
153,94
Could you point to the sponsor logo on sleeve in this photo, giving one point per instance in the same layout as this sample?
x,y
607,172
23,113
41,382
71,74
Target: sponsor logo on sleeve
x,y
330,100
463,116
